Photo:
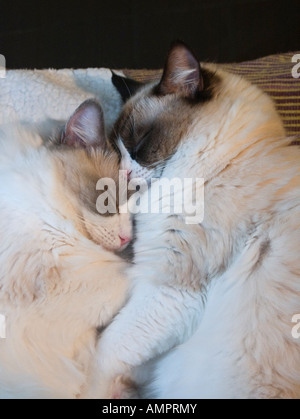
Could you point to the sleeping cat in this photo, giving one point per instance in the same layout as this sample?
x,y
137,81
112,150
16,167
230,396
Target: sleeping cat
x,y
221,293
60,279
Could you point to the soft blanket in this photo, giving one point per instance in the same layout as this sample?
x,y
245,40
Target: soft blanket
x,y
34,95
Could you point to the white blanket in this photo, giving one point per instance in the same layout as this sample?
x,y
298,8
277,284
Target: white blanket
x,y
35,95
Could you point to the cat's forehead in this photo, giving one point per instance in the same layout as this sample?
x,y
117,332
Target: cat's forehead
x,y
88,164
105,164
144,105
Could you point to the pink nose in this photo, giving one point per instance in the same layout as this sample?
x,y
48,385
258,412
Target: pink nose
x,y
124,240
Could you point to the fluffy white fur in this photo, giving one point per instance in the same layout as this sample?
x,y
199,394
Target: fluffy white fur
x,y
229,286
56,285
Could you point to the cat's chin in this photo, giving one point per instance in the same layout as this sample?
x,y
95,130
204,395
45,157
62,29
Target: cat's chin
x,y
117,249
122,248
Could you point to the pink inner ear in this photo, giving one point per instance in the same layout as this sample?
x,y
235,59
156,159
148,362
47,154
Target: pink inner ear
x,y
182,72
85,128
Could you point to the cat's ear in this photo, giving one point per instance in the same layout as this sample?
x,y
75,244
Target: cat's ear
x,y
85,127
182,72
125,86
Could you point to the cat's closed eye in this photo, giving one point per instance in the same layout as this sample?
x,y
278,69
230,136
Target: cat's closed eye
x,y
140,143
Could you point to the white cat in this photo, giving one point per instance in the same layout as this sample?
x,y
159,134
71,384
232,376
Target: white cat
x,y
223,292
60,279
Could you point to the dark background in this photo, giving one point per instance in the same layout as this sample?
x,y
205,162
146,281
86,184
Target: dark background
x,y
136,33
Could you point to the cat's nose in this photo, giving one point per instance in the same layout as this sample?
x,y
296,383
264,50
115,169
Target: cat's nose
x,y
124,240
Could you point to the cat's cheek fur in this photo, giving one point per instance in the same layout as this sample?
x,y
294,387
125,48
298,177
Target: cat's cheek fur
x,y
112,228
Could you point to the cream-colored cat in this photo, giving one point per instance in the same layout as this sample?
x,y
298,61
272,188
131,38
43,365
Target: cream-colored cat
x,y
60,279
221,293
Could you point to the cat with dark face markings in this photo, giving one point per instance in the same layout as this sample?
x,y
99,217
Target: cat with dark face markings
x,y
60,278
213,301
